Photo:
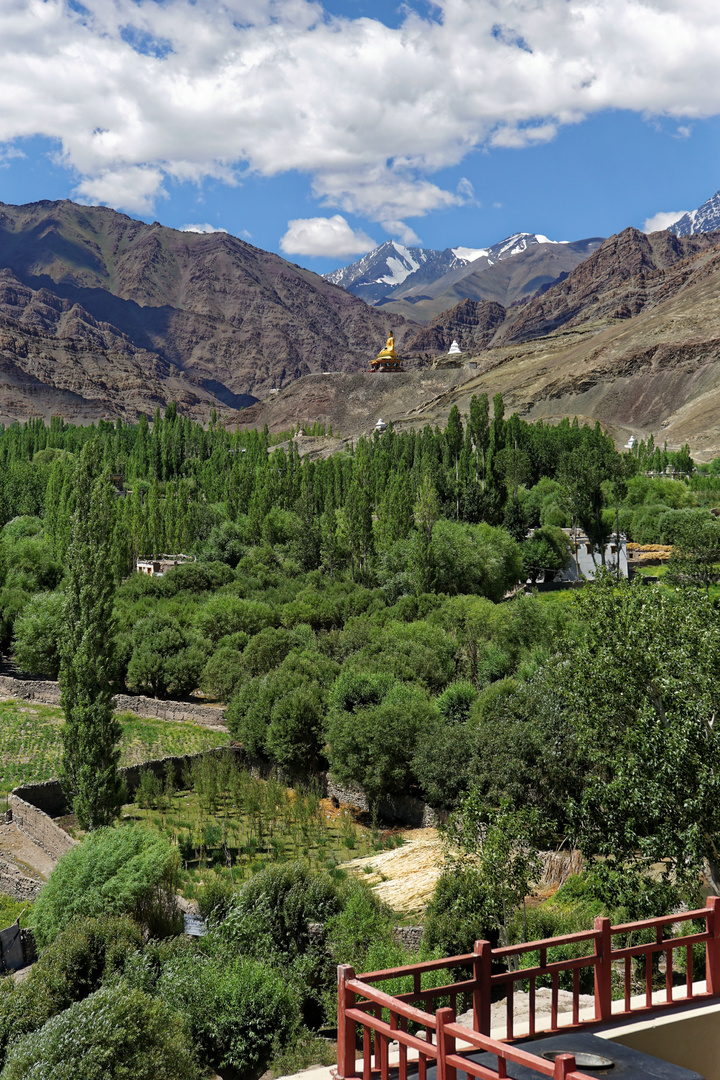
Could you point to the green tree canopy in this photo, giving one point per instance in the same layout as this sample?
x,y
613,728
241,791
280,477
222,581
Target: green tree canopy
x,y
642,688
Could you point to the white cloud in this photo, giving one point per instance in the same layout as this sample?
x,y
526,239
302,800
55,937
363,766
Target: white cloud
x,y
134,188
139,94
201,228
404,233
9,153
331,236
662,220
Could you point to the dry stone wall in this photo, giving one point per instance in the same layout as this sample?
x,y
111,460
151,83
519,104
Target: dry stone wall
x,y
40,827
48,693
403,808
16,885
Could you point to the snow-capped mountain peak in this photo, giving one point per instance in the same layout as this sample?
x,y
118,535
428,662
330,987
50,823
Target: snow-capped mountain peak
x,y
387,267
467,254
705,219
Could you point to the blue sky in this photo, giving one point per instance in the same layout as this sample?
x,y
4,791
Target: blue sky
x,y
319,130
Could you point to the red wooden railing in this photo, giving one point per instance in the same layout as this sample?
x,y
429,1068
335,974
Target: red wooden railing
x,y
384,1018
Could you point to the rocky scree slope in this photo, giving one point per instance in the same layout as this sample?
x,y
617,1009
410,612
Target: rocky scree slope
x,y
207,320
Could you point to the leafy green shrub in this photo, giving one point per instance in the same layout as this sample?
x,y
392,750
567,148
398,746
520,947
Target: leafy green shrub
x,y
149,790
363,922
117,1033
456,916
215,899
271,913
235,1007
130,869
268,649
442,761
80,958
165,657
374,746
224,672
455,701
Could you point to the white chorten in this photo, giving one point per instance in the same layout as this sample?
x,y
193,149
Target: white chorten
x,y
455,349
381,425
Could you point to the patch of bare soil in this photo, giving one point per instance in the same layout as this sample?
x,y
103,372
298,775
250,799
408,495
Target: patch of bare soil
x,y
19,849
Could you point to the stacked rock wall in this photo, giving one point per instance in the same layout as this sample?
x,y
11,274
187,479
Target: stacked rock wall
x,y
39,826
48,693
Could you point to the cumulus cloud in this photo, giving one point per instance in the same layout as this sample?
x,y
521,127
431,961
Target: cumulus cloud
x,y
201,228
140,94
663,220
330,236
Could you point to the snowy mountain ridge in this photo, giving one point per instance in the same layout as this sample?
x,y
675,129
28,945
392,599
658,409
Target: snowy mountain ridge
x,y
378,274
705,219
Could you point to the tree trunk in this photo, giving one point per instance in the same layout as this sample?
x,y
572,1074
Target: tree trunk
x,y
714,875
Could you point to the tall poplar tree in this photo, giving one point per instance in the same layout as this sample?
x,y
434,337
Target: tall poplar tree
x,y
91,734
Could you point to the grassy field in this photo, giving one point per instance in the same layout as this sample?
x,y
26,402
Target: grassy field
x,y
31,742
228,824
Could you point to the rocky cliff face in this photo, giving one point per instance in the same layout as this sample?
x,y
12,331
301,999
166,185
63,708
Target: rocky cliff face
x,y
125,316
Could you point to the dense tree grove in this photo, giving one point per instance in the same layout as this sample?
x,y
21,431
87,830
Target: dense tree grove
x,y
347,609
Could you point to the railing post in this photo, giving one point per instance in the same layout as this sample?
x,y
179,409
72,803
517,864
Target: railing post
x,y
564,1064
445,1044
482,969
346,1028
712,951
603,970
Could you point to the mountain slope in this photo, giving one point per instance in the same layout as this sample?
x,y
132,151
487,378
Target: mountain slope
x,y
515,270
705,219
471,323
55,357
636,347
225,320
628,273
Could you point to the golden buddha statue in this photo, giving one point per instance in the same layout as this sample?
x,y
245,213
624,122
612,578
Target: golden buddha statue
x,y
387,359
389,350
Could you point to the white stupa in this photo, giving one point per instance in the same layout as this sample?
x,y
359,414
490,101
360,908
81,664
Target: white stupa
x,y
380,426
455,349
630,443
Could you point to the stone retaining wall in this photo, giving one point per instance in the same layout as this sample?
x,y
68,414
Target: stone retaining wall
x,y
36,824
409,936
47,798
45,693
48,693
403,808
16,885
208,715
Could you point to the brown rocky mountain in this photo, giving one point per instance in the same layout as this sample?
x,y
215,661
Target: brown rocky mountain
x,y
634,343
471,323
629,273
101,314
505,280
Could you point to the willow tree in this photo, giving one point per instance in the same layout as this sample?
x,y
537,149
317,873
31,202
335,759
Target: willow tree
x,y
89,770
